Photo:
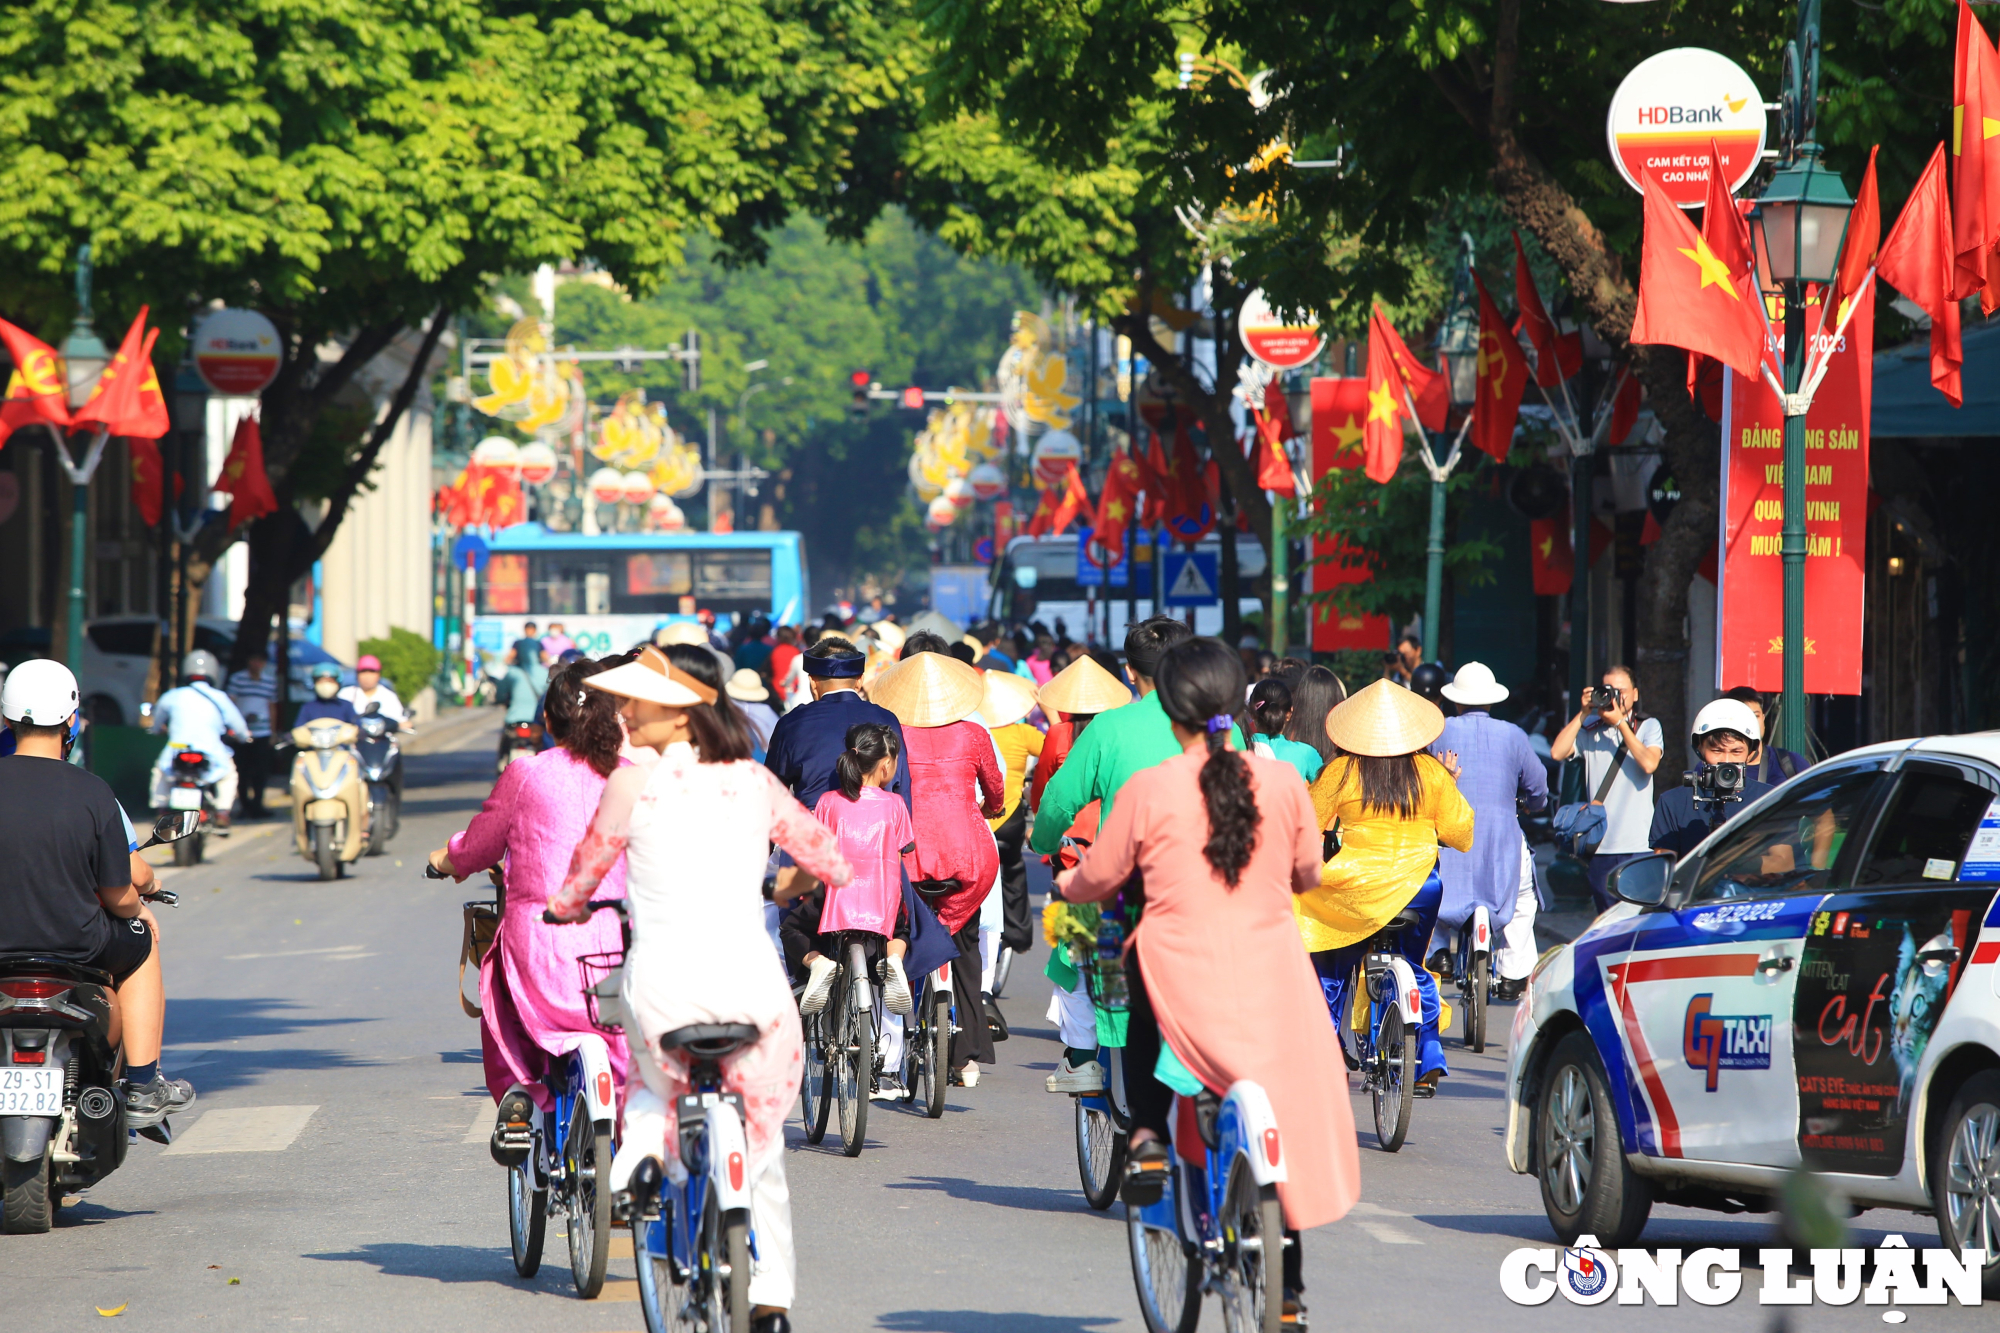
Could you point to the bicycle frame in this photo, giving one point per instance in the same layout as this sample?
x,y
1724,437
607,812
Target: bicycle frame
x,y
1475,937
1194,1197
714,1158
586,1075
1111,1102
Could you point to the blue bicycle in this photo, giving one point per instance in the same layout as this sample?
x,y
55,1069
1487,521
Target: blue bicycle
x,y
1217,1226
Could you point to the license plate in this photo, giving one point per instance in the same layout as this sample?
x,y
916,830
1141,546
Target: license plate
x,y
184,798
30,1092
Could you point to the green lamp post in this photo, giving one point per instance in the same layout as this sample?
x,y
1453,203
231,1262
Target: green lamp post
x,y
85,357
1458,345
1801,220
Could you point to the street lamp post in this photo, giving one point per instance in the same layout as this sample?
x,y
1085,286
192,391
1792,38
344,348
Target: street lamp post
x,y
1801,220
1458,343
85,357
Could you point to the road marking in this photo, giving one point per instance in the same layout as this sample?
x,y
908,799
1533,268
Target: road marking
x,y
618,1289
1388,1235
1367,1209
295,953
482,1127
242,1129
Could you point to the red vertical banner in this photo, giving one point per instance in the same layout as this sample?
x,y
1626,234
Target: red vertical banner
x,y
1339,407
1750,600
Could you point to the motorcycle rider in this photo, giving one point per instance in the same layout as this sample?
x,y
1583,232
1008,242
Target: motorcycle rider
x,y
369,688
326,700
68,886
199,716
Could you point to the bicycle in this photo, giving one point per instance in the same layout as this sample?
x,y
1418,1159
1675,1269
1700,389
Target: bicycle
x,y
841,1062
692,1241
1217,1226
927,1041
1386,1050
1472,969
1103,1127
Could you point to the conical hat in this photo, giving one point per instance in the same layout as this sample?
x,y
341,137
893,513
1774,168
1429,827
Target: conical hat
x,y
1083,687
1384,719
929,690
1009,698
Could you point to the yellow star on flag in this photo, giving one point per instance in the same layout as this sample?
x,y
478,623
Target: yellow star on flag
x,y
1382,404
1347,436
1714,273
1117,510
1548,547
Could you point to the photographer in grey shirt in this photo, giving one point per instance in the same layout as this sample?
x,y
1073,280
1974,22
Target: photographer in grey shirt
x,y
1610,727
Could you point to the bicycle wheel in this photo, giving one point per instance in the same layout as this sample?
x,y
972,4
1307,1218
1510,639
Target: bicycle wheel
x,y
1165,1269
1100,1155
527,1217
1393,1075
589,1207
937,1057
1249,1278
1479,980
662,1301
816,1087
1003,967
725,1257
854,1061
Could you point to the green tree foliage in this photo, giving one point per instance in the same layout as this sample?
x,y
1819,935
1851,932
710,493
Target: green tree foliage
x,y
899,304
409,660
350,167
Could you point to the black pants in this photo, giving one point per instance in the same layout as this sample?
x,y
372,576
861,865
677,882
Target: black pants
x,y
1015,931
253,772
973,1040
1152,1101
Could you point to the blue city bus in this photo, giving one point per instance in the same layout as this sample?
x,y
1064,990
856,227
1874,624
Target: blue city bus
x,y
612,591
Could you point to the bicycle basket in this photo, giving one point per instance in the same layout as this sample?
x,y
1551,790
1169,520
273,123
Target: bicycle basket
x,y
603,975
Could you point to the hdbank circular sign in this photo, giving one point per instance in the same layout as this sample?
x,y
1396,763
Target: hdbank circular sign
x,y
1667,111
237,352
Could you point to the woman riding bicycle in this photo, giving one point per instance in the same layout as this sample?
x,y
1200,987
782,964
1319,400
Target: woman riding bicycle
x,y
1393,805
531,1004
695,830
1221,989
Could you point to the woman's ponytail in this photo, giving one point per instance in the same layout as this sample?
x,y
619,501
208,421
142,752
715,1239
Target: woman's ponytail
x,y
868,744
1200,684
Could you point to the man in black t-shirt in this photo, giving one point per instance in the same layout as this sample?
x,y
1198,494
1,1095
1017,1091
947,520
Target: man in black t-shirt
x,y
1725,732
67,879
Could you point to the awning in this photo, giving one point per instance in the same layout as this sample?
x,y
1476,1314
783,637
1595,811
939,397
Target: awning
x,y
1908,407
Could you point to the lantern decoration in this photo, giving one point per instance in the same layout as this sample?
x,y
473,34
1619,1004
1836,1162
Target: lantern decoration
x,y
1055,454
988,482
636,488
959,491
666,516
531,387
538,463
942,513
498,453
607,485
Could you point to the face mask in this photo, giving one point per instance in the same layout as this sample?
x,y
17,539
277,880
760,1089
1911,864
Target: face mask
x,y
326,687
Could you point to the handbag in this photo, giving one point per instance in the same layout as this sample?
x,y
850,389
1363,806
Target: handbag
x,y
1579,826
482,925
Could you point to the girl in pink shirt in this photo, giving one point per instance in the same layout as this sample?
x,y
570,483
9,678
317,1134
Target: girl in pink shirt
x,y
871,826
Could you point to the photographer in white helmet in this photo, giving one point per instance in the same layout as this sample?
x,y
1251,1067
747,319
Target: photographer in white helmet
x,y
1727,739
198,716
70,882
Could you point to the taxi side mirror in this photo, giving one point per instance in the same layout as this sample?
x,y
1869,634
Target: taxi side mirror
x,y
1643,880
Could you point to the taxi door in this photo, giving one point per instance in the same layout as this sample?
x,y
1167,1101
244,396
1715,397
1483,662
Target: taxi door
x,y
1704,995
1882,957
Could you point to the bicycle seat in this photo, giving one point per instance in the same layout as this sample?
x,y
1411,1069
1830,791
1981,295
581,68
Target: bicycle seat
x,y
935,888
710,1041
1400,922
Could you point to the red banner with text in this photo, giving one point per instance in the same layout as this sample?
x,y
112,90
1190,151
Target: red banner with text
x,y
1750,601
1339,406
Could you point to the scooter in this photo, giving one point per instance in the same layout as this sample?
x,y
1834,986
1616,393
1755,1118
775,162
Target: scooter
x,y
62,1120
517,739
329,798
382,770
187,790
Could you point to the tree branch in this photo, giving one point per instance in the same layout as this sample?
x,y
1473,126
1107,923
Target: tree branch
x,y
1461,98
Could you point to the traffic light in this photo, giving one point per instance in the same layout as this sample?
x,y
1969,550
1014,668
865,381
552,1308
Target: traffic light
x,y
913,398
691,360
860,379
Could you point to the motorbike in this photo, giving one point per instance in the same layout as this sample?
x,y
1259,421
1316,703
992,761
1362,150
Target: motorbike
x,y
382,769
188,790
329,798
516,740
62,1119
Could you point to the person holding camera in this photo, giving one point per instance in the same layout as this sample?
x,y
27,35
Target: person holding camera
x,y
1727,740
1621,748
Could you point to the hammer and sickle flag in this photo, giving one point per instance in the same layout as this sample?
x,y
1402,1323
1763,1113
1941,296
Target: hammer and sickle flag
x,y
36,389
127,400
1503,378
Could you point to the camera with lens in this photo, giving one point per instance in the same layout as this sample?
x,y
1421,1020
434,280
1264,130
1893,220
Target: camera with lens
x,y
1718,784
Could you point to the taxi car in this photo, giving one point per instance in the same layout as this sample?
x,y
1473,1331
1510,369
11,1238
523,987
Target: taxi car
x,y
1816,984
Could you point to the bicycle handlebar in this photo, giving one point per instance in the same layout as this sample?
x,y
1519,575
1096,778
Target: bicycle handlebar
x,y
596,905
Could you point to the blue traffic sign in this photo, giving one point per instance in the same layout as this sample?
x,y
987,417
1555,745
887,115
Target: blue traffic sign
x,y
471,549
1091,574
1191,578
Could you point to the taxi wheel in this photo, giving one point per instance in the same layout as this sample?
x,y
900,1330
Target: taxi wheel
x,y
1965,1173
1579,1161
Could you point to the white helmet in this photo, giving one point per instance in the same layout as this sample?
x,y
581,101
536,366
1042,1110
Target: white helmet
x,y
201,663
1727,715
41,693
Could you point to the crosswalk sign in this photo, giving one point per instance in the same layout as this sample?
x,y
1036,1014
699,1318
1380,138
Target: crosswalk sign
x,y
1191,578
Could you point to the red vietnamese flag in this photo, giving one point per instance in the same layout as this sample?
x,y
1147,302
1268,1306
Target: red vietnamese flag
x,y
36,391
1624,407
1535,321
1918,260
243,476
1190,515
150,421
1396,379
1428,388
1724,227
1159,480
119,404
1274,427
1338,409
1858,250
1551,558
1503,378
1118,506
1688,295
146,480
1975,194
1075,500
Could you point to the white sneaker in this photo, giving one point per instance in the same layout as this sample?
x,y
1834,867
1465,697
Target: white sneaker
x,y
888,1090
818,985
1077,1080
896,988
968,1077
